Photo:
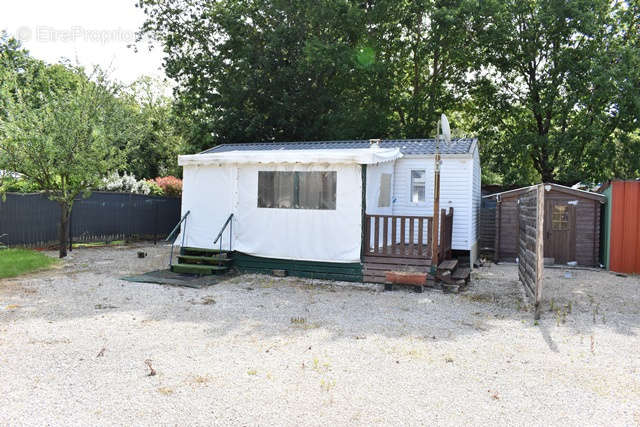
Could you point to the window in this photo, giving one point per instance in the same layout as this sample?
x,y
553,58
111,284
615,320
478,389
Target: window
x,y
418,184
560,218
384,199
297,190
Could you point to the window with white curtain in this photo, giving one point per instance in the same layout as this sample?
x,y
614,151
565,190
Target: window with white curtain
x,y
297,190
418,185
384,198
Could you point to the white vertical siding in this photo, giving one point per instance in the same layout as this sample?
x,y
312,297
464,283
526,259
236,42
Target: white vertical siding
x,y
455,191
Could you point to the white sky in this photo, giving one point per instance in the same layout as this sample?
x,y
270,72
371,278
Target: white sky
x,y
87,32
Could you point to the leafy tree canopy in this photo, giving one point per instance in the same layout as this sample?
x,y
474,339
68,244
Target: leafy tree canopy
x,y
298,70
58,139
143,122
549,86
558,95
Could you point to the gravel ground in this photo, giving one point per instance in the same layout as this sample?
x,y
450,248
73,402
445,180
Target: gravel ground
x,y
257,350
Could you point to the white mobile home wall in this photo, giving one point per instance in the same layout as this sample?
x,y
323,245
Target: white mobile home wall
x,y
459,188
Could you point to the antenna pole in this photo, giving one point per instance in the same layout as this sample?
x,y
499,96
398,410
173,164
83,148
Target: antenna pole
x,y
436,205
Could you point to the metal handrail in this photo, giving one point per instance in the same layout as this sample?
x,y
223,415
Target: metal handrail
x,y
223,228
230,224
173,241
177,227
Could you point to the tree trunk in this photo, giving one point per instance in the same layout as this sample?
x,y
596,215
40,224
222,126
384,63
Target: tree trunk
x,y
65,213
547,176
546,168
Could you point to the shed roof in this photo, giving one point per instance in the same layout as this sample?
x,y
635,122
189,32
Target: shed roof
x,y
557,187
406,146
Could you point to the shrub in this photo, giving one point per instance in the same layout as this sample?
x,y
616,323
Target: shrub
x,y
154,188
129,184
171,186
18,185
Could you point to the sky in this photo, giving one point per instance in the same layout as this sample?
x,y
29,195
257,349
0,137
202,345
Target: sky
x,y
87,32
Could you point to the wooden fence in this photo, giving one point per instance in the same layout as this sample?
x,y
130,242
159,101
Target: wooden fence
x,y
531,241
33,220
487,238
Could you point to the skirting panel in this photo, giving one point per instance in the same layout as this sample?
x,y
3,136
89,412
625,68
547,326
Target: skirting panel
x,y
349,272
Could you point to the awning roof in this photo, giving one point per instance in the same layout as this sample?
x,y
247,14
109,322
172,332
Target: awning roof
x,y
363,156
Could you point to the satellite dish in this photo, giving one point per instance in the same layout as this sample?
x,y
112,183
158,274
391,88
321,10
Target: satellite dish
x,y
446,130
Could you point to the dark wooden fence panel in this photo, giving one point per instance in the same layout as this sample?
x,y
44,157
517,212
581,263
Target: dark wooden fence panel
x,y
33,219
487,229
531,243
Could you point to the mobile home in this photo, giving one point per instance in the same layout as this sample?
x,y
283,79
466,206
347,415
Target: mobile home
x,y
331,208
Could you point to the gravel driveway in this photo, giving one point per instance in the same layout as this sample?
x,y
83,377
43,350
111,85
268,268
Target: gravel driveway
x,y
77,346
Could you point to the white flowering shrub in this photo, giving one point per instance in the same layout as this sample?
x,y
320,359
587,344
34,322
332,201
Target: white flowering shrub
x,y
129,184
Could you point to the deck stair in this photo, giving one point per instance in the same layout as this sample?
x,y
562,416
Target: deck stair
x,y
202,261
453,278
448,265
449,276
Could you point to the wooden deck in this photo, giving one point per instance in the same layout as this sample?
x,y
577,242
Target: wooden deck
x,y
402,243
375,267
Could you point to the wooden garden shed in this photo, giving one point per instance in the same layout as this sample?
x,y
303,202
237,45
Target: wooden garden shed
x,y
571,225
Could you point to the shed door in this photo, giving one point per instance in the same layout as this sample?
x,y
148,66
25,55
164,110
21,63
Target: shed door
x,y
560,231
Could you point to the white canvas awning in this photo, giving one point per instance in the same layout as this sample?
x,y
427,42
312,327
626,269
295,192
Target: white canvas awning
x,y
211,193
363,156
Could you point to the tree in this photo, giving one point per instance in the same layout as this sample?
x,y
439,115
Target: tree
x,y
155,140
257,70
425,48
63,144
262,70
559,91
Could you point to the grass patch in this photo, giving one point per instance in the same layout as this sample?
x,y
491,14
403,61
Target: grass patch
x,y
14,262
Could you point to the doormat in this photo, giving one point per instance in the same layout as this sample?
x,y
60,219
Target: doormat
x,y
168,277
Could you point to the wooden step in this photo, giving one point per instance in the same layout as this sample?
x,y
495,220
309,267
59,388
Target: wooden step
x,y
461,274
198,269
202,251
209,260
449,265
378,275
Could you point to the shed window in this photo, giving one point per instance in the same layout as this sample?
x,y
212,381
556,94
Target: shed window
x,y
384,199
560,218
297,190
418,184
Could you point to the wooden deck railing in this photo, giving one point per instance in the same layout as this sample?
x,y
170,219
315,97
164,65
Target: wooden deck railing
x,y
406,236
399,236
